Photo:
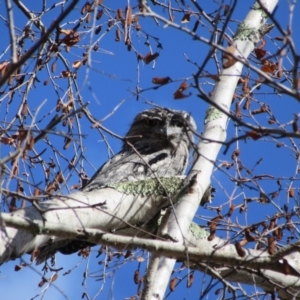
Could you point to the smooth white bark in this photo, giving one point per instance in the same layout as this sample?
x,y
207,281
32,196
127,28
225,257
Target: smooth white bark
x,y
215,129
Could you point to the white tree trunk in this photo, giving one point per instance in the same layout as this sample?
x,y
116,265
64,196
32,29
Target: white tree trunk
x,y
215,129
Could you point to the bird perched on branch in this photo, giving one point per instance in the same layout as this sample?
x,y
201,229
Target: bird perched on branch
x,y
157,145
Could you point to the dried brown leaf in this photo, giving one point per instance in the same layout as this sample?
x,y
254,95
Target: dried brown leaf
x,y
98,29
260,53
291,193
190,280
150,57
161,80
77,64
99,14
186,18
172,284
240,251
53,67
235,153
136,276
128,12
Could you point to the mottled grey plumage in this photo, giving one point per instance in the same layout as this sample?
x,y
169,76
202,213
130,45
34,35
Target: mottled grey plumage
x,y
157,144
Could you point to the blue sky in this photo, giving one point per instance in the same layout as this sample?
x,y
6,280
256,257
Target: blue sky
x,y
112,78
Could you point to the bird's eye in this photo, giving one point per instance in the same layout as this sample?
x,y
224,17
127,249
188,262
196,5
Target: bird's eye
x,y
151,122
177,123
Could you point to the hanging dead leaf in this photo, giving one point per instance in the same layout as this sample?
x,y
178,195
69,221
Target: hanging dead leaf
x,y
24,109
138,27
161,80
248,235
12,204
268,66
260,110
36,192
66,74
67,143
190,280
71,163
243,242
228,60
184,86
98,29
59,177
279,38
254,135
231,209
271,245
19,267
58,105
150,57
238,112
119,14
110,23
127,254
227,165
140,259
291,193
266,69
96,47
226,10
42,282
240,251
129,46
87,7
88,18
53,67
186,18
217,18
77,64
280,144
118,35
295,123
263,198
179,95
99,14
7,140
46,82
136,276
172,284
243,208
128,12
235,154
66,31
213,226
71,40
54,277
52,187
260,53
140,56
30,143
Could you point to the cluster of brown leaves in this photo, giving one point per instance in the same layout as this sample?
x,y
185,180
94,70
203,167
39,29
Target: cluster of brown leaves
x,y
189,283
273,228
